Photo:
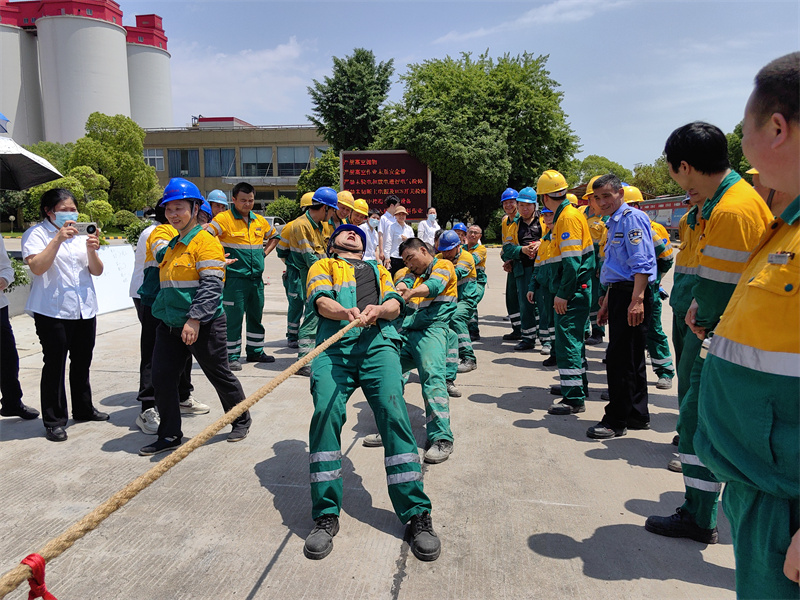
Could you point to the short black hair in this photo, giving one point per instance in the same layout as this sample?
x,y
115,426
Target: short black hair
x,y
701,145
391,199
242,186
51,198
413,243
605,180
777,89
374,211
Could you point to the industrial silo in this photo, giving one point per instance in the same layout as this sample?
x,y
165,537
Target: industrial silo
x,y
150,85
20,94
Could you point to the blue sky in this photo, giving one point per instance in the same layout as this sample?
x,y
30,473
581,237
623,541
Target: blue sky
x,y
631,70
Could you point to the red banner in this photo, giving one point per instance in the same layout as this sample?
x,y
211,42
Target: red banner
x,y
373,175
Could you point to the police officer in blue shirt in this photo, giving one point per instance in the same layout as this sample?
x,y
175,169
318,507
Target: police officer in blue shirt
x,y
627,307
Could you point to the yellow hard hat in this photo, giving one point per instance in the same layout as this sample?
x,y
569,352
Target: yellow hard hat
x,y
306,200
752,171
589,188
361,207
573,199
632,194
551,182
345,199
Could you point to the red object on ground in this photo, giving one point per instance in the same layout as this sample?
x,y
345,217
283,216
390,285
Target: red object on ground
x,y
38,587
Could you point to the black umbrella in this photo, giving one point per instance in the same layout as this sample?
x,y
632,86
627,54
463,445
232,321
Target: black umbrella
x,y
20,169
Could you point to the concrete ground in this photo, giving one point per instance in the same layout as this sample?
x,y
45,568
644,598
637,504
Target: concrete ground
x,y
526,507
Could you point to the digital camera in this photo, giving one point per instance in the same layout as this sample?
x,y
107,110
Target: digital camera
x,y
86,228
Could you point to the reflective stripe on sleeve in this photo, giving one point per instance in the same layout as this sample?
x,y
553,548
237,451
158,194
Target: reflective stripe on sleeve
x,y
764,361
686,270
192,283
717,275
739,256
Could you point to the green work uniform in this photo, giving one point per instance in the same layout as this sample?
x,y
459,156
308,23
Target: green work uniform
x,y
478,252
509,232
597,229
541,281
657,340
523,271
295,297
468,297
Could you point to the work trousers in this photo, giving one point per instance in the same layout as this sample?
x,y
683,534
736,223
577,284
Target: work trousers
x,y
169,359
296,296
679,332
371,363
59,338
512,302
597,330
451,368
147,341
10,390
547,320
426,351
244,297
657,341
571,348
528,318
625,362
702,488
459,323
473,320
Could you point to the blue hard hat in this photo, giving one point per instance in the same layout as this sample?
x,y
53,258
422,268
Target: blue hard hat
x,y
218,196
546,211
460,227
327,196
528,195
180,189
509,194
350,227
448,240
206,208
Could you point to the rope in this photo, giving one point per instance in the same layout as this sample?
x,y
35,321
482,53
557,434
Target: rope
x,y
57,546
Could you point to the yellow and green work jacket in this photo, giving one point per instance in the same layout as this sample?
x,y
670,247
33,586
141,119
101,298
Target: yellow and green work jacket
x,y
735,219
663,248
544,268
573,251
156,242
306,244
402,275
438,306
192,274
243,240
335,278
690,229
478,252
282,249
328,227
597,226
466,275
510,235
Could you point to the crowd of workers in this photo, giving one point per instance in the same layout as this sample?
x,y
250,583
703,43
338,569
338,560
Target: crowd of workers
x,y
571,271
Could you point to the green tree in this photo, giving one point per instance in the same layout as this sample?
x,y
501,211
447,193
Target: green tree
x,y
101,212
654,179
95,186
284,208
113,147
71,183
123,218
599,165
736,157
324,171
58,154
480,125
347,105
11,202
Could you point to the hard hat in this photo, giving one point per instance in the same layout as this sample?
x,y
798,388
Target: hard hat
x,y
327,196
527,195
217,196
509,194
752,171
361,207
180,189
460,227
206,208
589,188
632,194
573,199
448,240
306,200
551,182
349,227
345,199
547,211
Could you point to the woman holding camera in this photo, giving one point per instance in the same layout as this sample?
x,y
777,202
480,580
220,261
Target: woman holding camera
x,y
63,304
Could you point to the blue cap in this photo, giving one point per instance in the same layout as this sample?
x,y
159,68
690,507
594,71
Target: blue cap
x,y
448,240
350,227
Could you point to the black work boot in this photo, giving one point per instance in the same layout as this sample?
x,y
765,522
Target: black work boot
x,y
423,540
319,542
681,524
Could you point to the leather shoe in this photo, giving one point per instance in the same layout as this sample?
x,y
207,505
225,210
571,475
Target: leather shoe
x,y
21,411
601,431
56,434
681,524
512,337
638,425
550,361
95,415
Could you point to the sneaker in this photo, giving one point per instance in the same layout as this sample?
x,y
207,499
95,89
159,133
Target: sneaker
x,y
373,440
562,408
555,390
525,345
424,543
601,431
550,361
439,451
664,383
512,337
467,365
238,433
293,344
675,465
675,440
190,406
160,445
319,542
604,395
261,358
680,525
23,412
594,340
304,371
452,390
234,365
545,351
148,421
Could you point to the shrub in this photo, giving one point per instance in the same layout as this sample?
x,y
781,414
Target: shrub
x,y
284,208
134,231
21,277
123,218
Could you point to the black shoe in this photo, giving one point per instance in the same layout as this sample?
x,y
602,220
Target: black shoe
x,y
681,524
424,542
261,358
512,337
293,344
475,337
21,411
605,396
452,390
601,431
550,361
304,371
594,340
675,440
95,415
55,434
524,345
160,445
562,408
234,365
556,390
319,542
638,425
238,434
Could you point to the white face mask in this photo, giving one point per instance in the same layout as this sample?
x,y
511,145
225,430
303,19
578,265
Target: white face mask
x,y
63,216
432,218
374,223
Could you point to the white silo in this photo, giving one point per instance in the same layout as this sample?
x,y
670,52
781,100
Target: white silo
x,y
150,83
84,68
20,94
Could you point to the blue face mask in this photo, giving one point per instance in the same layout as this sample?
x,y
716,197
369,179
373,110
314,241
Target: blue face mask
x,y
63,217
374,223
432,218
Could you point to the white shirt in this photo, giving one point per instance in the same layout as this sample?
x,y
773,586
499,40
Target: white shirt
x,y
6,271
138,262
372,241
66,289
394,236
387,220
427,231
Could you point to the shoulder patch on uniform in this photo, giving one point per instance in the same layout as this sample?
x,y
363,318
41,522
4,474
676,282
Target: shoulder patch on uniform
x,y
626,212
635,236
565,235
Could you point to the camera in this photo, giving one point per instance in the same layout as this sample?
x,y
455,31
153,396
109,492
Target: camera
x,y
86,228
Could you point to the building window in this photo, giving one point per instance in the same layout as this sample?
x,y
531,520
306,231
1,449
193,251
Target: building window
x,y
89,12
63,11
220,162
290,194
256,162
292,160
24,20
184,163
155,158
319,151
160,45
141,39
113,19
262,198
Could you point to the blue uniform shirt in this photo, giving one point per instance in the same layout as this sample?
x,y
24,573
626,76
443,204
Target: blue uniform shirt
x,y
629,247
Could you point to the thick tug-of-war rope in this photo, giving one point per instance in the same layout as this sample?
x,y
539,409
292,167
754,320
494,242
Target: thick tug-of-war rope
x,y
57,546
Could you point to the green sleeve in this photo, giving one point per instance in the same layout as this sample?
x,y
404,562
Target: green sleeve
x,y
712,298
510,252
435,286
569,277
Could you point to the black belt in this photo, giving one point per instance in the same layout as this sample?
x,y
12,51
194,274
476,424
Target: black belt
x,y
626,285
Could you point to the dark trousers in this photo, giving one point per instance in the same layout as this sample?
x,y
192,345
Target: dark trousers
x,y
147,341
211,352
396,265
625,360
60,337
10,390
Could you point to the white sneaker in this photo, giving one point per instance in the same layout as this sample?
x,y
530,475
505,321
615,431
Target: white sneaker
x,y
664,383
148,421
190,406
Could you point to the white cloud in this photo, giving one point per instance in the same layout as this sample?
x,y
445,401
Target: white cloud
x,y
559,11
